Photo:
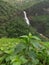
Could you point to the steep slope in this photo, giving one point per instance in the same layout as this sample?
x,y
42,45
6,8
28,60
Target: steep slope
x,y
41,8
12,22
22,4
39,17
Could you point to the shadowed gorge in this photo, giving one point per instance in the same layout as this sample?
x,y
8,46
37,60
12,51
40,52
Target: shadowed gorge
x,y
39,17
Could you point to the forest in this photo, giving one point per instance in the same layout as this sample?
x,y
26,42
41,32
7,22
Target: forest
x,y
24,32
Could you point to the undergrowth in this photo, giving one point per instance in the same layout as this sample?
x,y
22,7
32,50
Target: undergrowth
x,y
25,50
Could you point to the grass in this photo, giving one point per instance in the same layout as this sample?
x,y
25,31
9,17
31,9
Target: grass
x,y
11,40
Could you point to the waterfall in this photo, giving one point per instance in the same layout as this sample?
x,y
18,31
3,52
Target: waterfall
x,y
26,18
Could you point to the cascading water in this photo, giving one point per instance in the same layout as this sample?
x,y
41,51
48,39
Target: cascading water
x,y
28,23
26,18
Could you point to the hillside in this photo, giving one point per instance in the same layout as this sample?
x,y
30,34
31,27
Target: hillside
x,y
22,4
12,21
24,32
38,12
39,17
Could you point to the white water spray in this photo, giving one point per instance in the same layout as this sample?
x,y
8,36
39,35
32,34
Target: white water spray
x,y
26,18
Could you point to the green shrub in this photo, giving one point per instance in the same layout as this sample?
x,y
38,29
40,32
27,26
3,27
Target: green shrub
x,y
26,50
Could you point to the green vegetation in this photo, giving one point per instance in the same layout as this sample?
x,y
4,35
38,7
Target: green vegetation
x,y
16,46
25,50
22,4
13,24
12,21
41,24
39,17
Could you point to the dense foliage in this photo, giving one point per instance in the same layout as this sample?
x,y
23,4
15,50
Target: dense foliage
x,y
41,24
12,21
22,4
25,50
39,17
